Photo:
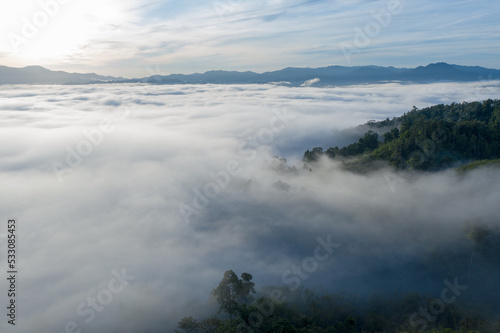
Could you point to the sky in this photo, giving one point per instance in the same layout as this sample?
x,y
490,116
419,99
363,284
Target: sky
x,y
139,196
138,38
104,180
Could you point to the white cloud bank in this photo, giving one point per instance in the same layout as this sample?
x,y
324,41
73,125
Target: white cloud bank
x,y
145,151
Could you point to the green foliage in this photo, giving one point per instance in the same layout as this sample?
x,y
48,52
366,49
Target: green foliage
x,y
232,291
228,326
307,312
367,143
188,325
393,134
479,164
478,232
449,330
209,325
283,326
433,138
313,155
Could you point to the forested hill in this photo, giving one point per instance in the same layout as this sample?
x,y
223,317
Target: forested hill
x,y
433,138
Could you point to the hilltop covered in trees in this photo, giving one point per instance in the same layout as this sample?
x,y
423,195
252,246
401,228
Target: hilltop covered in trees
x,y
286,309
283,310
433,138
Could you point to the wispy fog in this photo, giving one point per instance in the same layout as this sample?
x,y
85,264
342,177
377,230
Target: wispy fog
x,y
167,187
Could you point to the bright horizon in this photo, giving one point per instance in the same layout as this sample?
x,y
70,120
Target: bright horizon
x,y
141,38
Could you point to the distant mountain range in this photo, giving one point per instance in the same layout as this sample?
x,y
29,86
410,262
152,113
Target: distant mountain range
x,y
40,75
324,76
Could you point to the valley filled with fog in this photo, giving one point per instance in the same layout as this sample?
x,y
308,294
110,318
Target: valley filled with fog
x,y
176,184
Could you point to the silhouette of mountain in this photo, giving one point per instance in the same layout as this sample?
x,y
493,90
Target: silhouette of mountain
x,y
440,71
335,75
291,76
40,75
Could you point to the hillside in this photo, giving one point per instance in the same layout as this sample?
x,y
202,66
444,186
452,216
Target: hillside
x,y
432,138
334,75
41,75
290,76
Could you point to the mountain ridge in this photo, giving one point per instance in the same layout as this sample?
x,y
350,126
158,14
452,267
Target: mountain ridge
x,y
40,75
333,75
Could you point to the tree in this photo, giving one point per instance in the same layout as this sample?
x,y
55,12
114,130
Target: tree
x,y
369,142
314,155
388,137
391,135
332,152
231,291
428,139
283,326
395,133
226,292
477,231
209,325
187,325
247,286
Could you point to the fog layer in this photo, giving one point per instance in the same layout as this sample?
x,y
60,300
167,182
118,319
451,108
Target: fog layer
x,y
142,196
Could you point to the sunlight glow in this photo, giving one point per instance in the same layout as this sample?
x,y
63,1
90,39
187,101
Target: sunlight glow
x,y
56,29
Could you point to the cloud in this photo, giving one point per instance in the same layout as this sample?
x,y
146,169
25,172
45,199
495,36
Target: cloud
x,y
122,38
135,160
310,83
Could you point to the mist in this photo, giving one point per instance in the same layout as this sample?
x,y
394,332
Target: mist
x,y
143,196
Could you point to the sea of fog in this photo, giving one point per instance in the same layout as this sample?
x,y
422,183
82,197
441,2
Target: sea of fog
x,y
132,200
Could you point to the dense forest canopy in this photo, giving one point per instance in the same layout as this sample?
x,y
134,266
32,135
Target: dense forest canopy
x,y
281,310
432,138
